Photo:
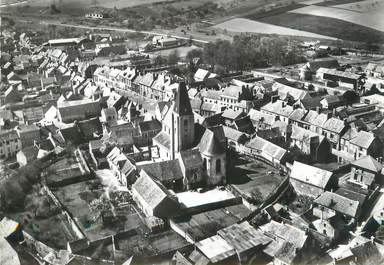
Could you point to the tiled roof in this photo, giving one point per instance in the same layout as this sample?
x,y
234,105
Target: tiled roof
x,y
243,237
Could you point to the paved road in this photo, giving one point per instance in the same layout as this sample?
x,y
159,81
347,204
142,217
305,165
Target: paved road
x,y
121,30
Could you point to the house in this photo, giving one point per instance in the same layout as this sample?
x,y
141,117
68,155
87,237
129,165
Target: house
x,y
69,111
10,144
344,79
168,173
329,204
216,249
234,137
261,120
153,198
310,68
9,96
269,152
231,115
331,101
311,181
374,70
232,95
245,239
109,116
290,94
201,75
316,146
334,129
27,155
366,172
364,144
123,169
288,244
28,134
279,109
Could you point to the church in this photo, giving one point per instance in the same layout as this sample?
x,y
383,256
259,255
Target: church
x,y
204,160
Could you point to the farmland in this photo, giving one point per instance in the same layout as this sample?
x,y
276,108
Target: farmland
x,y
343,19
247,25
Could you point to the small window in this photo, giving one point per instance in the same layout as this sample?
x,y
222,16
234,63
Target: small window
x,y
185,123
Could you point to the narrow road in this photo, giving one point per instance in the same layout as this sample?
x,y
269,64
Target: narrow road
x,y
121,30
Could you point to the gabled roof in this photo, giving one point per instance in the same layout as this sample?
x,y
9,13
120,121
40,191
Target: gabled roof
x,y
233,114
338,203
312,175
368,162
286,232
163,171
150,190
334,125
182,105
363,139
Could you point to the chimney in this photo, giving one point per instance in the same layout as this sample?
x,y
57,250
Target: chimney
x,y
283,104
318,109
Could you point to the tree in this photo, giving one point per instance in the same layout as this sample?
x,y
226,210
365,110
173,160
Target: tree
x,y
173,58
159,60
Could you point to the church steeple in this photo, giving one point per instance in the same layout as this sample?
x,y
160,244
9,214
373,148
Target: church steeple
x,y
182,104
183,125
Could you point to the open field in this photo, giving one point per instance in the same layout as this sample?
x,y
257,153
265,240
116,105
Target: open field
x,y
328,26
247,25
367,15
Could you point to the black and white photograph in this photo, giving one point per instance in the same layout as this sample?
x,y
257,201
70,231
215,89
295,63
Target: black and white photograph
x,y
191,132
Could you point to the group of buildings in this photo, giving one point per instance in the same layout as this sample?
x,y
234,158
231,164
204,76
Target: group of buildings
x,y
178,149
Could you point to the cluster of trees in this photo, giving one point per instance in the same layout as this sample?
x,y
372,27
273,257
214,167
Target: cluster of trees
x,y
171,59
246,52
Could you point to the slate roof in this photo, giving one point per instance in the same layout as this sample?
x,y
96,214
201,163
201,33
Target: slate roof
x,y
233,114
325,63
368,162
30,152
339,73
312,175
152,125
285,91
363,139
259,116
233,134
163,139
209,144
334,125
151,191
182,105
163,171
191,158
339,203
